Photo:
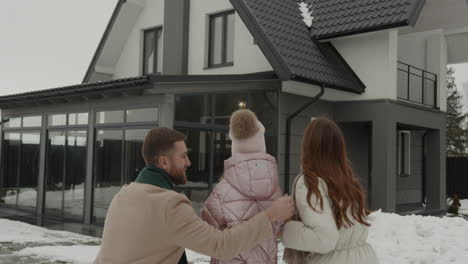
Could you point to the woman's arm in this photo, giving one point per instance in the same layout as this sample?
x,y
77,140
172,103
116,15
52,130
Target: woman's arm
x,y
317,232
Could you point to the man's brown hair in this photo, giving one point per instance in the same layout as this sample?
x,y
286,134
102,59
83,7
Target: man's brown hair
x,y
159,141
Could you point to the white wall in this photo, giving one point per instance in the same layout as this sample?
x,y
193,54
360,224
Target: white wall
x,y
247,56
129,63
372,57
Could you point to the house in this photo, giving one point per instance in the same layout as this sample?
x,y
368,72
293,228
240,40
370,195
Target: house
x,y
376,67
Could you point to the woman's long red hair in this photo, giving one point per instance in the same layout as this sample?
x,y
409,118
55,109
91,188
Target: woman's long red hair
x,y
324,155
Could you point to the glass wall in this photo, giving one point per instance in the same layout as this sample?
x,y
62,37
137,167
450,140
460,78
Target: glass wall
x,y
117,156
204,119
20,170
11,151
65,173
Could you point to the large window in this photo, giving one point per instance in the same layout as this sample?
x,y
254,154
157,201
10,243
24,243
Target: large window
x,y
221,39
66,165
20,170
66,173
204,119
404,158
117,155
152,51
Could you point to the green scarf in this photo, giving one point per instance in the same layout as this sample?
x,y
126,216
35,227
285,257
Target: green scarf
x,y
158,177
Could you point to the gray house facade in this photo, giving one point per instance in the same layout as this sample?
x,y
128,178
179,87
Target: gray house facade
x,y
66,151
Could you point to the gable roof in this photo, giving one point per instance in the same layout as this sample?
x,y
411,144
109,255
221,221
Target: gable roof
x,y
336,18
295,52
284,40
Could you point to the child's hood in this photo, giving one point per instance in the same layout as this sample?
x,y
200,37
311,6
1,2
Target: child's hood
x,y
255,175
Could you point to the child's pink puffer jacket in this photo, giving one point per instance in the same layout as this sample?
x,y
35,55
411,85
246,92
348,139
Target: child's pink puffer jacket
x,y
249,186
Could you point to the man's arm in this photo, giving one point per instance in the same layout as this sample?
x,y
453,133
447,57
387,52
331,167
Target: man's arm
x,y
189,231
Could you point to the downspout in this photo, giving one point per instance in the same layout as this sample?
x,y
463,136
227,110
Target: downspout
x,y
288,134
424,162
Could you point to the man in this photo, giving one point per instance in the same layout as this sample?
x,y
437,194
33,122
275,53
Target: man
x,y
148,222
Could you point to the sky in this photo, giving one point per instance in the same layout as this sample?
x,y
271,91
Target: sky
x,y
48,43
461,80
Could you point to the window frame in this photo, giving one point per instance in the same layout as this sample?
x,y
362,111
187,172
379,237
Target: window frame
x,y
211,19
404,162
158,32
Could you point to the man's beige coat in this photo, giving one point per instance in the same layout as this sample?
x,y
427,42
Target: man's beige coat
x,y
147,224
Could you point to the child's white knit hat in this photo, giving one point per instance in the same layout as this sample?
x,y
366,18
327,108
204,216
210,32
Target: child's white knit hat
x,y
246,132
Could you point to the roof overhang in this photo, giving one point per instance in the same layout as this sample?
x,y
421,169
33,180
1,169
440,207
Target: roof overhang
x,y
120,88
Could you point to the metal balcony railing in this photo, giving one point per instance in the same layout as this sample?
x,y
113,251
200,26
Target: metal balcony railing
x,y
416,85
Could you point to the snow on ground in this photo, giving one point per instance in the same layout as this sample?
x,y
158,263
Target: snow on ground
x,y
396,239
464,207
19,232
73,254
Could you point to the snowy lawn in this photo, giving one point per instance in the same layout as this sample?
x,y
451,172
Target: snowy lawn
x,y
396,239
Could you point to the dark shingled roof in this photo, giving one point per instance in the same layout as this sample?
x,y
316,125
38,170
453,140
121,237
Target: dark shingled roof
x,y
295,52
134,83
284,40
335,18
78,88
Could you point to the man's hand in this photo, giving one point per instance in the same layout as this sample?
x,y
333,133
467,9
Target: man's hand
x,y
281,210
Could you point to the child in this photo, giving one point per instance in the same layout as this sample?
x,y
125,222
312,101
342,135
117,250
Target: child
x,y
249,185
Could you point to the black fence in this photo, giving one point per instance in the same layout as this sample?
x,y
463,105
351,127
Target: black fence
x,y
416,85
457,177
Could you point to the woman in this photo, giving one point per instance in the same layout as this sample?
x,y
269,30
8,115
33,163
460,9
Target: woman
x,y
330,202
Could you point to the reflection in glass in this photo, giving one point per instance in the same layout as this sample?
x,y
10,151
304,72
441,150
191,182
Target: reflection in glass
x,y
106,117
77,119
12,122
225,105
58,120
134,161
198,146
11,147
159,52
32,121
27,196
193,108
73,203
55,173
216,48
142,115
230,38
108,170
222,147
150,51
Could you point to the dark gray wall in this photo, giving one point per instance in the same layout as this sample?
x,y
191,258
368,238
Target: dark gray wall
x,y
409,189
386,116
289,103
176,34
357,137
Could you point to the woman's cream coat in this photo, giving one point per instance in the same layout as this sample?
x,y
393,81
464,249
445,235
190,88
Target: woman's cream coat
x,y
318,233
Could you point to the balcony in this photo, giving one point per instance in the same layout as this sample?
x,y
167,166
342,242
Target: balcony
x,y
416,85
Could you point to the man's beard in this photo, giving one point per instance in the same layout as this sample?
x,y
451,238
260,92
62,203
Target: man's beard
x,y
178,176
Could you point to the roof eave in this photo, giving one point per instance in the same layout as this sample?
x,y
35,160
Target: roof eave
x,y
327,85
361,31
411,20
265,45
